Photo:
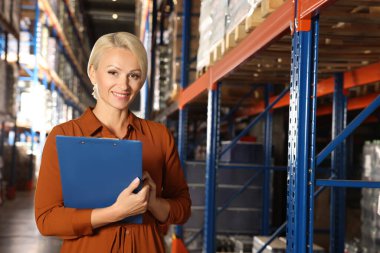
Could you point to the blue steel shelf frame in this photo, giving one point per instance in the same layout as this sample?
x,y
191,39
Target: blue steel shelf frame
x,y
338,165
4,43
212,151
183,112
302,157
302,161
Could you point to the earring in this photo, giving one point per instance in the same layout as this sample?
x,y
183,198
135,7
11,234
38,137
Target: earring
x,y
95,92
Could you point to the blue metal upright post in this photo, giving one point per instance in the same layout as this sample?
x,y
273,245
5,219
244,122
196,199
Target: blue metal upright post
x,y
267,163
313,129
338,164
183,112
300,114
213,111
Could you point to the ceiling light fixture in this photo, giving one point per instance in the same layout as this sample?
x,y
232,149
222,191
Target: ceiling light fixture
x,y
115,16
113,0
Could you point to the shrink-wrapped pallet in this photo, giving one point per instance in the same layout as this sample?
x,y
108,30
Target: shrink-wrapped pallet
x,y
205,31
370,216
218,16
238,10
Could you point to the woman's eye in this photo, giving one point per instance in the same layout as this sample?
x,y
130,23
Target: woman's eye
x,y
112,73
134,76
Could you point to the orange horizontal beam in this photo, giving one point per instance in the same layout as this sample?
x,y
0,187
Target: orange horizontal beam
x,y
358,77
195,89
310,7
352,104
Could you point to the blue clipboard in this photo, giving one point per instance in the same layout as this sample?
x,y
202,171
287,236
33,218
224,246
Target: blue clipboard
x,y
94,170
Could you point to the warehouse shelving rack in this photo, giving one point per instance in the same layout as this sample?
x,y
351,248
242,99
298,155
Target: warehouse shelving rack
x,y
6,29
302,157
39,73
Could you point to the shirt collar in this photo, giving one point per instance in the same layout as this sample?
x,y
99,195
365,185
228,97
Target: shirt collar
x,y
90,124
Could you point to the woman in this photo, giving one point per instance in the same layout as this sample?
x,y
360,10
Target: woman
x,y
117,68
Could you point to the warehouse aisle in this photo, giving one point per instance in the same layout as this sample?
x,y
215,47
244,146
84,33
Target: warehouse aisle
x,y
18,232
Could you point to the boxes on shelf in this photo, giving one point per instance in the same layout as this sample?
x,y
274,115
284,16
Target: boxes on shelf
x,y
243,216
44,42
238,10
9,73
242,243
52,58
370,218
278,245
205,31
218,17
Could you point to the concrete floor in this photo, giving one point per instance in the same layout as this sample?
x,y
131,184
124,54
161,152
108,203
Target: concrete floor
x,y
18,232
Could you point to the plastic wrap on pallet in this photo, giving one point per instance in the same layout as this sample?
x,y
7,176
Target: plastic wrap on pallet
x,y
205,31
370,228
24,46
238,10
44,48
218,16
52,53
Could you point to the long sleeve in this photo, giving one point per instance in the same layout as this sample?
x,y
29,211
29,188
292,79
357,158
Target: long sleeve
x,y
51,216
175,189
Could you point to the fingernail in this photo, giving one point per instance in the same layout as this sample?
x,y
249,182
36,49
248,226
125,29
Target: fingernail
x,y
134,180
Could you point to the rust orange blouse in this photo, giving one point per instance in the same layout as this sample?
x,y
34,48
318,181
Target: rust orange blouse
x,y
160,159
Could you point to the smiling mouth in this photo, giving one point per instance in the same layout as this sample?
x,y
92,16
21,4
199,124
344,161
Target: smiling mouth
x,y
120,95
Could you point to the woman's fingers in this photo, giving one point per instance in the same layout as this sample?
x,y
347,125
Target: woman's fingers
x,y
133,185
148,178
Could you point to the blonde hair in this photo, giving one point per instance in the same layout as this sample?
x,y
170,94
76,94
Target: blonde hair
x,y
122,40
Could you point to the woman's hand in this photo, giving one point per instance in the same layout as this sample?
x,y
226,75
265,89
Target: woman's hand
x,y
157,206
127,204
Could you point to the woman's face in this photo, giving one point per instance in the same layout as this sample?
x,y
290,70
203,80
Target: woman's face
x,y
119,78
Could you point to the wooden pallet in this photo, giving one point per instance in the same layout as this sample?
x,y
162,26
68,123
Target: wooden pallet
x,y
269,6
246,26
201,71
217,52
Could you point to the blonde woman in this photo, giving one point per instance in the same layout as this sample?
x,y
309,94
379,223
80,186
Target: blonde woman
x,y
117,68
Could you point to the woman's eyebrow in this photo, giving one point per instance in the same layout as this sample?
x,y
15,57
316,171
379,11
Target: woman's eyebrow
x,y
134,70
114,67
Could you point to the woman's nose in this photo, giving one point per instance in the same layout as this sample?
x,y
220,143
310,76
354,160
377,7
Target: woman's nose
x,y
125,82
